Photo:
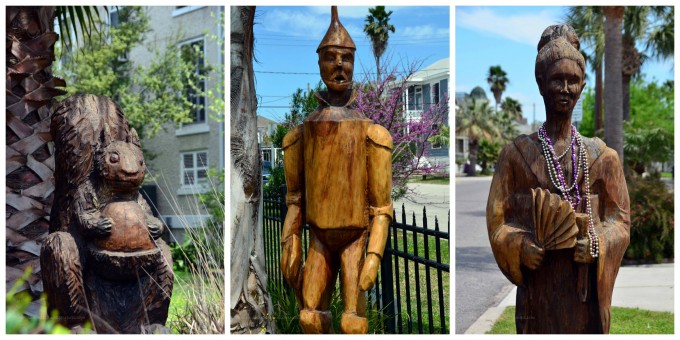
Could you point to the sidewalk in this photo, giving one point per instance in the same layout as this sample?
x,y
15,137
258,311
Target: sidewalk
x,y
646,287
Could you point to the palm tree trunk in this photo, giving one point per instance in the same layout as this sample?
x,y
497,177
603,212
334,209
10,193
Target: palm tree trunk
x,y
474,150
625,87
250,304
30,157
598,97
613,97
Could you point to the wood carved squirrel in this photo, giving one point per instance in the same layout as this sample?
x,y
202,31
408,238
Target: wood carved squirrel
x,y
104,260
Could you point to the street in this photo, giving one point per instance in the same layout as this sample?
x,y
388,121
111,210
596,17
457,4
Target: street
x,y
479,282
435,199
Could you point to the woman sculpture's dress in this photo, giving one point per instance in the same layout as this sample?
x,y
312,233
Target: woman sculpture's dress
x,y
549,299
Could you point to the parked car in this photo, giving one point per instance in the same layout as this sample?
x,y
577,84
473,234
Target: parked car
x,y
266,171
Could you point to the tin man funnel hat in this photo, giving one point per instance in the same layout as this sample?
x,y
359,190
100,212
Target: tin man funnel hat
x,y
336,35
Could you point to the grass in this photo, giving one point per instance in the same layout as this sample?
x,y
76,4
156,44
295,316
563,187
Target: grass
x,y
666,175
623,321
431,179
410,297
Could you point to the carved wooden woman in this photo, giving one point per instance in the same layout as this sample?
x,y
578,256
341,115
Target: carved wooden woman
x,y
565,283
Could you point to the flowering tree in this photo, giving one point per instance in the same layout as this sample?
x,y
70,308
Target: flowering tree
x,y
382,101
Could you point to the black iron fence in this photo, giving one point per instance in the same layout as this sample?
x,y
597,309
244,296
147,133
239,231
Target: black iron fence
x,y
413,286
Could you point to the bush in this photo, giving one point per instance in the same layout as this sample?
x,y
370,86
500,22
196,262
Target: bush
x,y
651,219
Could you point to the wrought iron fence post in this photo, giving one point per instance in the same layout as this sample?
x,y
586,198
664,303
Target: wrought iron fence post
x,y
387,284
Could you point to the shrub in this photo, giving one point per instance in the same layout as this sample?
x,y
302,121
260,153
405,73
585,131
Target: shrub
x,y
651,219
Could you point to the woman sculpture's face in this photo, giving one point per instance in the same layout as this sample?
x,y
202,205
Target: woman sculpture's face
x,y
562,86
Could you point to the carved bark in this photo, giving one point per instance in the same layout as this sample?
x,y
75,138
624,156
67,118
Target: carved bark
x,y
250,304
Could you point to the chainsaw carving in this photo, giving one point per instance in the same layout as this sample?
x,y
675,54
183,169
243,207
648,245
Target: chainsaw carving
x,y
558,214
103,261
338,167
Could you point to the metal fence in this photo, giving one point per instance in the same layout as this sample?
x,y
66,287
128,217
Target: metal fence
x,y
413,285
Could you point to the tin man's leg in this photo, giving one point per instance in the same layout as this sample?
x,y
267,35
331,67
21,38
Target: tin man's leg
x,y
351,261
318,282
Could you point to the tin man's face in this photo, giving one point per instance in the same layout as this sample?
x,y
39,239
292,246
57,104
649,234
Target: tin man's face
x,y
336,65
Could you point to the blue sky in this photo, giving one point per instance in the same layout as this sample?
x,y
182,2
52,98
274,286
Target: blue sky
x,y
286,39
507,36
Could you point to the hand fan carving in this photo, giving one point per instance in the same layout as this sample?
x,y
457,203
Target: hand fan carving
x,y
554,220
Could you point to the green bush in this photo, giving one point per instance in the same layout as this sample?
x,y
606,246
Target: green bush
x,y
16,321
651,219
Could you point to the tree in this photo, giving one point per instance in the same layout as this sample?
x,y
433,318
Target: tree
x,y
498,80
476,120
513,108
382,101
250,303
378,30
588,22
613,97
148,103
31,88
441,138
652,26
488,154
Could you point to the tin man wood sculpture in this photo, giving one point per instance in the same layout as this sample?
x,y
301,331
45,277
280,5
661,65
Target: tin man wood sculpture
x,y
338,167
558,209
103,261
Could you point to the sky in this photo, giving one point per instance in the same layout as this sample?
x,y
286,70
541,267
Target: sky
x,y
507,36
286,39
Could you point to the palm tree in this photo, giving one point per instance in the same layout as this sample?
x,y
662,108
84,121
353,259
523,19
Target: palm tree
x,y
498,80
378,30
513,108
31,89
588,22
476,120
613,97
652,25
249,296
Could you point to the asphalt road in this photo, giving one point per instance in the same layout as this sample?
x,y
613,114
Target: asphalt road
x,y
435,199
479,282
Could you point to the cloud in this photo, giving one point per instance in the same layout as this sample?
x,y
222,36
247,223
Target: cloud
x,y
522,28
423,32
292,21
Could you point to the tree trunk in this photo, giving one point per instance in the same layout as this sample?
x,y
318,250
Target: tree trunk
x,y
613,101
598,97
474,149
251,307
631,62
30,157
625,96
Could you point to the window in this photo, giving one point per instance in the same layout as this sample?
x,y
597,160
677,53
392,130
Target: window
x,y
419,98
114,20
193,52
460,146
194,168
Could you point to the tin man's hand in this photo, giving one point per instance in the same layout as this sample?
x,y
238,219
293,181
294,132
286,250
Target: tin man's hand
x,y
369,272
291,261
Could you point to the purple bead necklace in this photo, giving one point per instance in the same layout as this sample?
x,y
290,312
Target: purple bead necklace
x,y
556,175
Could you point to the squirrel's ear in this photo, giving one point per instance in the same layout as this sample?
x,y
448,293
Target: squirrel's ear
x,y
133,137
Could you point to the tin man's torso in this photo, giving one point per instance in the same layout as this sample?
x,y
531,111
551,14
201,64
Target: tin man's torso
x,y
335,168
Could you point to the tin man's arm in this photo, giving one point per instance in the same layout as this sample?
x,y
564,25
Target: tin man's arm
x,y
293,165
380,201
